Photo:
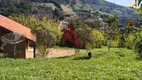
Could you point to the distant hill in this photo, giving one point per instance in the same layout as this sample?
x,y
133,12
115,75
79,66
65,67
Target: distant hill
x,y
58,8
101,5
93,7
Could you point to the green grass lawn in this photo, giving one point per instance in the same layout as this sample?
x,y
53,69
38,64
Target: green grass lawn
x,y
118,64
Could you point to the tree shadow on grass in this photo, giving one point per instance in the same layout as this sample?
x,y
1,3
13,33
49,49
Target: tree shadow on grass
x,y
120,54
82,58
87,57
63,57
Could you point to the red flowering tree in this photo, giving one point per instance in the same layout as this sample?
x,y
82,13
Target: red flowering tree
x,y
71,36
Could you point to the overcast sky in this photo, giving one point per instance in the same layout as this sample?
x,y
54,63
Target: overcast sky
x,y
122,2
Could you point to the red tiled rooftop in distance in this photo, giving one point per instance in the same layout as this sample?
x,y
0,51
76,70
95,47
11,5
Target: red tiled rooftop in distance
x,y
16,27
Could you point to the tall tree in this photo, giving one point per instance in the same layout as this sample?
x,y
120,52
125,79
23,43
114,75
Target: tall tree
x,y
111,30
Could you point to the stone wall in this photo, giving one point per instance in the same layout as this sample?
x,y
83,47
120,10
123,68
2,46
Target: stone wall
x,y
60,52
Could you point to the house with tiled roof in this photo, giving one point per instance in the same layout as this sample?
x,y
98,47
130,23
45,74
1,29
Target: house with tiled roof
x,y
23,49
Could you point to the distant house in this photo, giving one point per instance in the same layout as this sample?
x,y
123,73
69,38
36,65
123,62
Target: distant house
x,y
24,50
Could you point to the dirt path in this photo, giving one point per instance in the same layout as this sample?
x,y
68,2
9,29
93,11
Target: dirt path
x,y
59,52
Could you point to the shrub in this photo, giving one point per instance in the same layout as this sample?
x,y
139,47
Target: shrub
x,y
138,49
88,46
41,51
2,55
84,33
114,43
130,41
96,40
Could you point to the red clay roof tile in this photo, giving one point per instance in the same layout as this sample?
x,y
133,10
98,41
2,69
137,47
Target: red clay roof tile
x,y
16,27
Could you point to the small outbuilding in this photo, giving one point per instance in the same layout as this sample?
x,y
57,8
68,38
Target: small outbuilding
x,y
23,49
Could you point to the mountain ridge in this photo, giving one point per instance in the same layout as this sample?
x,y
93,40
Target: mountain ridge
x,y
92,6
60,8
103,6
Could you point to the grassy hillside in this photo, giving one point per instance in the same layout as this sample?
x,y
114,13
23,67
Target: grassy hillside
x,y
101,5
92,7
67,9
118,64
44,4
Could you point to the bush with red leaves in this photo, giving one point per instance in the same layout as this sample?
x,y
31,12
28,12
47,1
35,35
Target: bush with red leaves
x,y
71,35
